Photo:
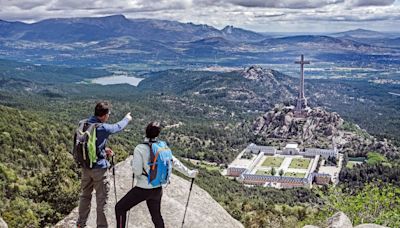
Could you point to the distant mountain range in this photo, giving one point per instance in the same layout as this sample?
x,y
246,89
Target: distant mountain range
x,y
370,37
360,33
116,39
69,30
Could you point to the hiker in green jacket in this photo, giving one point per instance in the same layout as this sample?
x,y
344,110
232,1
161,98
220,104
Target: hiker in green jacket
x,y
96,176
145,189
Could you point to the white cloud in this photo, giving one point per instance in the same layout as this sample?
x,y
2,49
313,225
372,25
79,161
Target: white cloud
x,y
24,5
290,4
371,2
260,15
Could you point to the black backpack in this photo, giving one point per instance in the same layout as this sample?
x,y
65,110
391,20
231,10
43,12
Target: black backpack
x,y
85,150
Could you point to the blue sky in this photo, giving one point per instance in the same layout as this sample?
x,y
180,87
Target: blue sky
x,y
258,15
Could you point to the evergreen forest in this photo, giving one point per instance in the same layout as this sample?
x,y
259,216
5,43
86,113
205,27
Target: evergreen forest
x,y
210,117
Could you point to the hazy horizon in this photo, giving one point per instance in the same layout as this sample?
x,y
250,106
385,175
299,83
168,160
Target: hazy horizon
x,y
220,28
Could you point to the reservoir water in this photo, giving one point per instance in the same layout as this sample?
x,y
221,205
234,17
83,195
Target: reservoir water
x,y
111,80
396,94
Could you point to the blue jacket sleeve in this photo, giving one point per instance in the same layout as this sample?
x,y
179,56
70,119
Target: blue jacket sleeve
x,y
117,127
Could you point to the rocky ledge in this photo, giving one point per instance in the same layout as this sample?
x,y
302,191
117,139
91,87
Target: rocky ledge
x,y
3,224
203,211
340,220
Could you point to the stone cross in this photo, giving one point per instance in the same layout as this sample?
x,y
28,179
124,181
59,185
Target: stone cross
x,y
301,100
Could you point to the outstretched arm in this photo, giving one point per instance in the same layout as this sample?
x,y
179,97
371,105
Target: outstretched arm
x,y
117,127
183,169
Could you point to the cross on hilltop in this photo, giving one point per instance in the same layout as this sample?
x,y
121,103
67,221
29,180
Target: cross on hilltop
x,y
301,103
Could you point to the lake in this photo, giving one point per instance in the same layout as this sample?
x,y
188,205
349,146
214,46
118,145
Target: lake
x,y
111,80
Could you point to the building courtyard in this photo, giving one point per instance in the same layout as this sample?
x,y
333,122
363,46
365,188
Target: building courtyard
x,y
287,168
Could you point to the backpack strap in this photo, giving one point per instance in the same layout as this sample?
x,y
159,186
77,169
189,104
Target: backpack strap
x,y
156,156
149,143
144,173
82,123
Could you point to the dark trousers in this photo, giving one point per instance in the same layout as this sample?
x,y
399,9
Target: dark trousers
x,y
135,196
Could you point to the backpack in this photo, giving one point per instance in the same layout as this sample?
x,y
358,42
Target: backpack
x,y
160,163
85,150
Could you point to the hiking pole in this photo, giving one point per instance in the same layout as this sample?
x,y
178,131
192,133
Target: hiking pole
x,y
129,211
113,172
187,203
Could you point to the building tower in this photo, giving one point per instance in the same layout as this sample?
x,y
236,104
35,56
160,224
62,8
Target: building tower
x,y
301,103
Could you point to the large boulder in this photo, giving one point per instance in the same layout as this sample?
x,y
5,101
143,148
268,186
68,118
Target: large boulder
x,y
339,220
203,211
368,225
3,224
288,119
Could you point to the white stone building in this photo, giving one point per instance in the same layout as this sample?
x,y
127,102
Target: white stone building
x,y
245,170
291,149
310,152
255,149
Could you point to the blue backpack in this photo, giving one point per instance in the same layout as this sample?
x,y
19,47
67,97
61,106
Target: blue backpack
x,y
160,163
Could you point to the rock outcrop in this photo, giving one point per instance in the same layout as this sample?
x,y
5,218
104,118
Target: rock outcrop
x,y
203,211
3,224
368,225
340,220
269,85
319,129
281,123
257,73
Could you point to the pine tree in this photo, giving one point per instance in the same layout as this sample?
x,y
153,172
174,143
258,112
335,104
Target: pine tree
x,y
273,171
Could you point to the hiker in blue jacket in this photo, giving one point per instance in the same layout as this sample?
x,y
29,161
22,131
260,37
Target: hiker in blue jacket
x,y
96,178
145,191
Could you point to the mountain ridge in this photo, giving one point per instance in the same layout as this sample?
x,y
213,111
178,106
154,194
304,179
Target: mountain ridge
x,y
360,33
154,42
98,28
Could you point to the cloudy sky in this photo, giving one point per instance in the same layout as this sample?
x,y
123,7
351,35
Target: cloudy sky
x,y
257,15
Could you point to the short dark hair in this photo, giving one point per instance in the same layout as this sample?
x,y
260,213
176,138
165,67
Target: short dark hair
x,y
102,108
153,129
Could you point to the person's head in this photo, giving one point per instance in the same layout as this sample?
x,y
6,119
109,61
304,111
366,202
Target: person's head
x,y
102,111
153,129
